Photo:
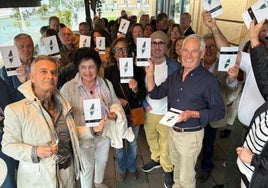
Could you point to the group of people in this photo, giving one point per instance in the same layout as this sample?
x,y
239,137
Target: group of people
x,y
251,102
44,104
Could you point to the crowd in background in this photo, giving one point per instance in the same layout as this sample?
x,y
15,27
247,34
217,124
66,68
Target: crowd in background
x,y
183,74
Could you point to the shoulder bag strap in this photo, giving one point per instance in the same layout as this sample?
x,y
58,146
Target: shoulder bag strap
x,y
125,96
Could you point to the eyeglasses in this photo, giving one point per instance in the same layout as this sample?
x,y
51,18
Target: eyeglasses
x,y
91,67
160,44
118,50
211,47
66,34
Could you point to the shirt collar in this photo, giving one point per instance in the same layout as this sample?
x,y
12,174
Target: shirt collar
x,y
212,67
187,28
194,71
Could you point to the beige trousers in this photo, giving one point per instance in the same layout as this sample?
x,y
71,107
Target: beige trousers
x,y
157,138
184,149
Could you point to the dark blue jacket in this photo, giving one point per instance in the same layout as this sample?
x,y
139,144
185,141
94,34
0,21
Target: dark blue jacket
x,y
12,84
5,98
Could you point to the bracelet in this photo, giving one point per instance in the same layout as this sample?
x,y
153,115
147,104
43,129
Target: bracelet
x,y
34,156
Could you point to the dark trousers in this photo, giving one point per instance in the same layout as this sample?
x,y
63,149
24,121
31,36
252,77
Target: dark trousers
x,y
12,165
208,148
231,171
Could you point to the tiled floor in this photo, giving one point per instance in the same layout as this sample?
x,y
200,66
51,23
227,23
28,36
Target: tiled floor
x,y
155,178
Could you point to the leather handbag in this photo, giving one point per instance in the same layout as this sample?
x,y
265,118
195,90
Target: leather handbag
x,y
137,116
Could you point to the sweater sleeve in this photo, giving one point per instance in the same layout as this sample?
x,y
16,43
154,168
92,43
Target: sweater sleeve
x,y
260,163
260,67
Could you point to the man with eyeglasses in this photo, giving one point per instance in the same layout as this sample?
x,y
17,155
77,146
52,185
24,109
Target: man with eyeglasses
x,y
156,133
211,63
196,92
67,39
185,23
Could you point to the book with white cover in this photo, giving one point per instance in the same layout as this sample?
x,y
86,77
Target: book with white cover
x,y
171,117
143,51
92,111
52,46
84,41
100,44
213,6
11,59
257,12
227,58
123,27
126,69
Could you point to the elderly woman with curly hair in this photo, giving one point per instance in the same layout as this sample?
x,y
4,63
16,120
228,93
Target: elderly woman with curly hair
x,y
94,147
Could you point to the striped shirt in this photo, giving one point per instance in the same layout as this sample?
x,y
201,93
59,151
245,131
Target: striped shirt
x,y
255,141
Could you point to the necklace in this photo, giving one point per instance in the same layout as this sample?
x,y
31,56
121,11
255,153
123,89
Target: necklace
x,y
91,90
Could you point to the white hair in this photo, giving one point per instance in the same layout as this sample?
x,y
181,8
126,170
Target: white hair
x,y
199,37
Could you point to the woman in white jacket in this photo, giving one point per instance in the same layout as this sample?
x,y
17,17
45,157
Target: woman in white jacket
x,y
87,85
